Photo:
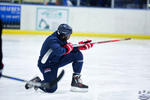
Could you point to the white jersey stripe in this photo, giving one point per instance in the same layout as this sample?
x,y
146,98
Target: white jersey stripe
x,y
45,57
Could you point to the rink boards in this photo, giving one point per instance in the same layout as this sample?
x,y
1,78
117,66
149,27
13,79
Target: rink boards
x,y
136,36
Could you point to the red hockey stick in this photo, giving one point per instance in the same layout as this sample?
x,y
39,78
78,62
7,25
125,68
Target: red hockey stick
x,y
101,42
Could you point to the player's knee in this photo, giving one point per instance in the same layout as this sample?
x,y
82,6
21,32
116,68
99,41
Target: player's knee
x,y
79,55
52,90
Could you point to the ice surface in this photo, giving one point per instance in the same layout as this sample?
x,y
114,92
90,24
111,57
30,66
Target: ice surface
x,y
113,71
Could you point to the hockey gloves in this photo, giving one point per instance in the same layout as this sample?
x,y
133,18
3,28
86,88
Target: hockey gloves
x,y
87,45
69,48
1,68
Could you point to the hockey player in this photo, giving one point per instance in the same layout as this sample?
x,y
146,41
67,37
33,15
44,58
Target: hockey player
x,y
57,52
1,56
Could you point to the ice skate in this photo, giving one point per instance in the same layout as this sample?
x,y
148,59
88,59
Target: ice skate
x,y
77,85
29,86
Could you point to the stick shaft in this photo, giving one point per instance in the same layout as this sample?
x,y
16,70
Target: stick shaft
x,y
22,80
14,78
101,42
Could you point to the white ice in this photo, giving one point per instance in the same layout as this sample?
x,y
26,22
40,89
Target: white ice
x,y
113,71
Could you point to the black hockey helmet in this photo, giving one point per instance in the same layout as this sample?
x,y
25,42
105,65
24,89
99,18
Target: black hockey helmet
x,y
64,31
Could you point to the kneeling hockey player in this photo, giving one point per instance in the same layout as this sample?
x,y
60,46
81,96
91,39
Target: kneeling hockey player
x,y
56,52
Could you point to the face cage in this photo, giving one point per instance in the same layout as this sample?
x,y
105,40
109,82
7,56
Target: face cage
x,y
64,37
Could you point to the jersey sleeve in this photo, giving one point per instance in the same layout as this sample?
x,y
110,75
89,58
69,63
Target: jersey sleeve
x,y
57,48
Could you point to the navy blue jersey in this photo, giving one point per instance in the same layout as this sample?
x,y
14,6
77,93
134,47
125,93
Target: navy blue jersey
x,y
52,50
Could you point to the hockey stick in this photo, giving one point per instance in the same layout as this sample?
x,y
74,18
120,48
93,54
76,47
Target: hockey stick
x,y
38,84
101,42
22,80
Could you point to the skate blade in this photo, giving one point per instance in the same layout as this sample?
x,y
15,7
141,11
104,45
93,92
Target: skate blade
x,y
76,89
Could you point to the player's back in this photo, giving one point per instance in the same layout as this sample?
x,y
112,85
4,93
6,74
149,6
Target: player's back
x,y
52,49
